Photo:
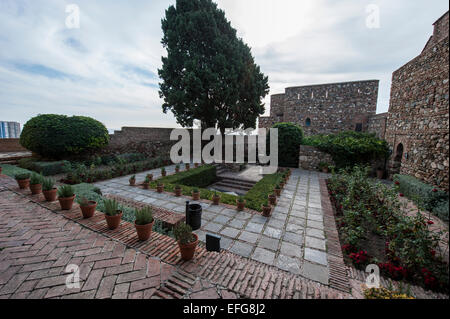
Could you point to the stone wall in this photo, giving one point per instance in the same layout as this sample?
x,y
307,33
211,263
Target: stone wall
x,y
310,157
377,124
325,108
418,119
11,145
151,141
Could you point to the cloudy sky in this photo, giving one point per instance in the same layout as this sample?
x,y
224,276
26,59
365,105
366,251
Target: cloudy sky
x,y
107,68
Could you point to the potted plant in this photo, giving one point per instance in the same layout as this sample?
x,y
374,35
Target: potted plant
x,y
380,172
272,199
66,197
132,180
159,187
144,223
216,198
266,209
23,180
188,166
177,168
36,183
150,177
323,166
87,207
195,165
163,171
277,190
281,184
177,190
195,194
240,203
187,240
49,190
113,214
146,183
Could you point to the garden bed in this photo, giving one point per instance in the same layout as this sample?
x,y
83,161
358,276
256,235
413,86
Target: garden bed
x,y
373,229
201,177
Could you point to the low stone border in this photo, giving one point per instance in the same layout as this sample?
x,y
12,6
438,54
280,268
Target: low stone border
x,y
337,267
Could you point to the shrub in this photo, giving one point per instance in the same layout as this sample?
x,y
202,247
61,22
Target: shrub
x,y
183,233
56,136
384,293
65,191
36,179
144,216
350,148
51,168
290,137
426,196
22,176
27,163
47,184
111,207
12,170
198,177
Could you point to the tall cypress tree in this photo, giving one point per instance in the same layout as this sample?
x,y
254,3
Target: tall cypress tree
x,y
209,73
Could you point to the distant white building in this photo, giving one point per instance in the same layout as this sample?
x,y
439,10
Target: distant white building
x,y
9,129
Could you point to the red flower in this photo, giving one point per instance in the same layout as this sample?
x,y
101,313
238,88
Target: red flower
x,y
430,222
433,252
401,195
397,183
434,190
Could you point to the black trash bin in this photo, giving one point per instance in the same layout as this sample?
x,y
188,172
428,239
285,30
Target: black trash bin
x,y
194,215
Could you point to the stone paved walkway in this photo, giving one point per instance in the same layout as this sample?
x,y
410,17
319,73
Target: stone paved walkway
x,y
292,239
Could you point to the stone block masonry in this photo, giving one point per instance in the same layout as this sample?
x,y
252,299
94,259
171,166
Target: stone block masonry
x,y
310,157
418,120
325,108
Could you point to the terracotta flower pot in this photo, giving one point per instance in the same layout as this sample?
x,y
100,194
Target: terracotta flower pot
x,y
164,173
240,205
277,192
282,185
23,183
150,177
145,185
36,189
272,199
177,192
187,251
266,211
160,188
66,202
177,169
196,196
188,166
113,221
132,182
50,196
325,169
380,173
144,231
89,210
195,165
216,200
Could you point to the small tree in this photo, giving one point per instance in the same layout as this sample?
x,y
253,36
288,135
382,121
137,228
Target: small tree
x,y
209,74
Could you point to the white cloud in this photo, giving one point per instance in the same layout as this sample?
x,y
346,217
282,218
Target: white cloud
x,y
107,69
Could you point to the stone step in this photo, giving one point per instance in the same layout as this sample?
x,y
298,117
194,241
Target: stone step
x,y
230,185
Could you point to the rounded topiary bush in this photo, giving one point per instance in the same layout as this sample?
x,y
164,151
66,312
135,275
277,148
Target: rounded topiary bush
x,y
290,137
57,136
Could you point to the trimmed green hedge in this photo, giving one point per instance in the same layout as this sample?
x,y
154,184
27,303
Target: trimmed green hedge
x,y
202,176
350,148
424,195
57,136
206,175
290,137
